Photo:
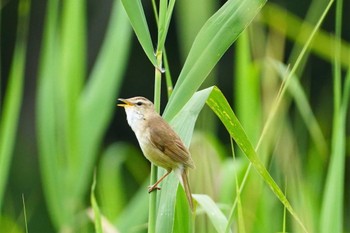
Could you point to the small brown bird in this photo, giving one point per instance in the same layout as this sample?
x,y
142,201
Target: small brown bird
x,y
158,141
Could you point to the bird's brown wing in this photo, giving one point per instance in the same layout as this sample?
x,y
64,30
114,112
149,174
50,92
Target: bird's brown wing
x,y
166,140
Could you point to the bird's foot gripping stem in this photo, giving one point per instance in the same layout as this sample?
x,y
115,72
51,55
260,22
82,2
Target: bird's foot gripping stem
x,y
152,188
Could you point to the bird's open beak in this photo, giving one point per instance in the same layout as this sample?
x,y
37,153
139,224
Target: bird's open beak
x,y
126,103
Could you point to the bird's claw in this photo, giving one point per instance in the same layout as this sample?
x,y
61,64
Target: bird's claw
x,y
152,188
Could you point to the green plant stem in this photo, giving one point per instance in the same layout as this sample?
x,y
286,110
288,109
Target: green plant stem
x,y
168,80
154,5
154,172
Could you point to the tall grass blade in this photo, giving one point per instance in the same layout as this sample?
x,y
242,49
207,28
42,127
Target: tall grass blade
x,y
247,89
13,96
304,107
138,21
332,210
215,37
237,199
218,103
24,214
46,116
95,207
331,218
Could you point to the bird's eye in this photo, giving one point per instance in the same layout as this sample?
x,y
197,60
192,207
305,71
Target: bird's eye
x,y
139,103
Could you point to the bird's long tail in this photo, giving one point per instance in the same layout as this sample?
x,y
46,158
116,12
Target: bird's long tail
x,y
186,186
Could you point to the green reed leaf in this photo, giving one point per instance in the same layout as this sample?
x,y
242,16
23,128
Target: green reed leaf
x,y
138,21
212,41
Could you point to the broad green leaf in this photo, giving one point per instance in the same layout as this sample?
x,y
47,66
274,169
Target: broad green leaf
x,y
138,21
71,121
184,219
13,96
183,123
215,215
212,41
106,77
218,103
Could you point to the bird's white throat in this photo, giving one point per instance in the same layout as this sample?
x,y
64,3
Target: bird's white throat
x,y
135,118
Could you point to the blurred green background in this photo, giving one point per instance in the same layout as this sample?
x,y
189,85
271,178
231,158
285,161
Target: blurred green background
x,y
65,63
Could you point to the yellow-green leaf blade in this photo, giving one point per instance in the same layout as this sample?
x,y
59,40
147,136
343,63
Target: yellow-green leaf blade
x,y
218,103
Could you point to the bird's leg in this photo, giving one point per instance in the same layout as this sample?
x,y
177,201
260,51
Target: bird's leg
x,y
154,186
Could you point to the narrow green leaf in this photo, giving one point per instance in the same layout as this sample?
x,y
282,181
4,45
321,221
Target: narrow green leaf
x,y
68,87
96,209
332,213
165,13
162,31
215,215
13,96
138,21
332,210
333,199
247,94
215,37
304,107
73,47
24,214
218,103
